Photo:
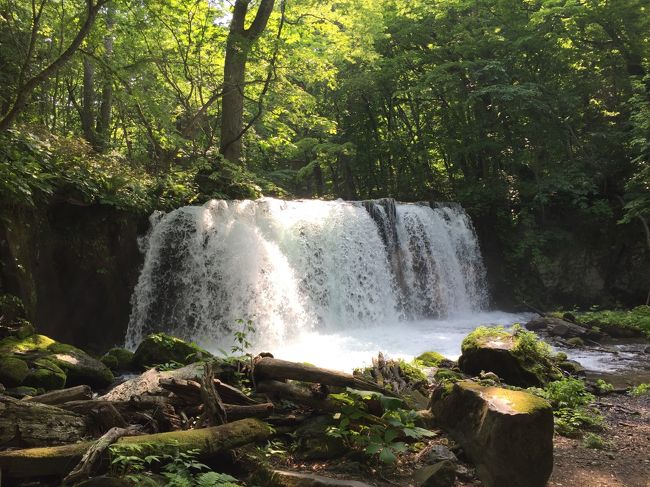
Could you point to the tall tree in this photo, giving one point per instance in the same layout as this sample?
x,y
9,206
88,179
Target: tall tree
x,y
239,43
27,84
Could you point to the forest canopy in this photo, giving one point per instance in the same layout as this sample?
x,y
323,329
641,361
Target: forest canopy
x,y
526,106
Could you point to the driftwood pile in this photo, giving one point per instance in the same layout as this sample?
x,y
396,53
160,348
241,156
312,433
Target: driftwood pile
x,y
191,408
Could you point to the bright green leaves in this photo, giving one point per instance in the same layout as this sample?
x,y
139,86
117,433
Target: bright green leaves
x,y
377,437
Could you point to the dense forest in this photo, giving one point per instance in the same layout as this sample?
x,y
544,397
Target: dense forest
x,y
533,114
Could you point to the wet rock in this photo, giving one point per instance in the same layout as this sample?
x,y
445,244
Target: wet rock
x,y
434,359
281,478
518,359
161,348
576,342
556,327
442,474
572,367
507,434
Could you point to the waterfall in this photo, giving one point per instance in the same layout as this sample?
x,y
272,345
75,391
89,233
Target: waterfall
x,y
295,266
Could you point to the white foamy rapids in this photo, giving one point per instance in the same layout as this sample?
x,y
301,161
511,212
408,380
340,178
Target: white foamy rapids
x,y
304,267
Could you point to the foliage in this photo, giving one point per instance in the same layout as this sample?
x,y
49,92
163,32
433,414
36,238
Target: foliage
x,y
179,468
376,438
594,441
640,390
242,337
604,387
637,318
571,406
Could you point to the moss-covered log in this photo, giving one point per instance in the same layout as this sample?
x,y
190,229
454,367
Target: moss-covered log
x,y
272,368
58,461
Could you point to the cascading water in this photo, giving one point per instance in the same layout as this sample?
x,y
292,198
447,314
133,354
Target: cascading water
x,y
301,267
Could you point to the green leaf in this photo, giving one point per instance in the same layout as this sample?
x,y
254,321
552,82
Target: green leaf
x,y
387,456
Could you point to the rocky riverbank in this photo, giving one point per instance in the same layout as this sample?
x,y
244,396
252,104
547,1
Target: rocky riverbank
x,y
510,412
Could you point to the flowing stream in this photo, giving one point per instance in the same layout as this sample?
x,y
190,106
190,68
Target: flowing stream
x,y
323,281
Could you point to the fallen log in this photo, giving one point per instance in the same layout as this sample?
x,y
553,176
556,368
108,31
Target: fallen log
x,y
236,411
144,412
77,393
190,391
27,424
58,461
273,368
283,390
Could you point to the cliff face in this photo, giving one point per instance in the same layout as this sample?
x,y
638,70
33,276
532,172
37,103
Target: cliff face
x,y
74,267
566,262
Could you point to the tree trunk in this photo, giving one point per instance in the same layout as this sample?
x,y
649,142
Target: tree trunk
x,y
238,46
88,101
106,106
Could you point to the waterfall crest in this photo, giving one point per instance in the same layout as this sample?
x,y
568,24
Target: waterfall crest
x,y
293,266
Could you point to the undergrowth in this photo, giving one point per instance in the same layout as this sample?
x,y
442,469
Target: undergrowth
x,y
382,438
571,404
178,468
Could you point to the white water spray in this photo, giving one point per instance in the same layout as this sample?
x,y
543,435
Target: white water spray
x,y
302,267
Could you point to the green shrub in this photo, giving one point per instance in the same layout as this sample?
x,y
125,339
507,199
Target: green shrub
x,y
640,390
592,440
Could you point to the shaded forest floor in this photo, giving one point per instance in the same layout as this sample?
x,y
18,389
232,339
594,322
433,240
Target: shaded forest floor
x,y
625,460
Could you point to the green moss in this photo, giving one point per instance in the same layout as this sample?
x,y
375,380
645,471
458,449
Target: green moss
x,y
412,373
13,371
118,359
447,376
161,348
46,375
430,359
486,334
27,344
507,399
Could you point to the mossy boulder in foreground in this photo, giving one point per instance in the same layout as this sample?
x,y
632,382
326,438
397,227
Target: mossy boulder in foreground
x,y
161,348
507,434
518,358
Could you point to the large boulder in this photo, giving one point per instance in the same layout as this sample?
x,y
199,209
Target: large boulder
x,y
518,358
507,434
52,364
160,348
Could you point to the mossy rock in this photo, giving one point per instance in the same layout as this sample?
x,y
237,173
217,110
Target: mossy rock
x,y
576,342
79,367
431,359
161,348
46,375
519,358
447,375
507,434
13,371
118,360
